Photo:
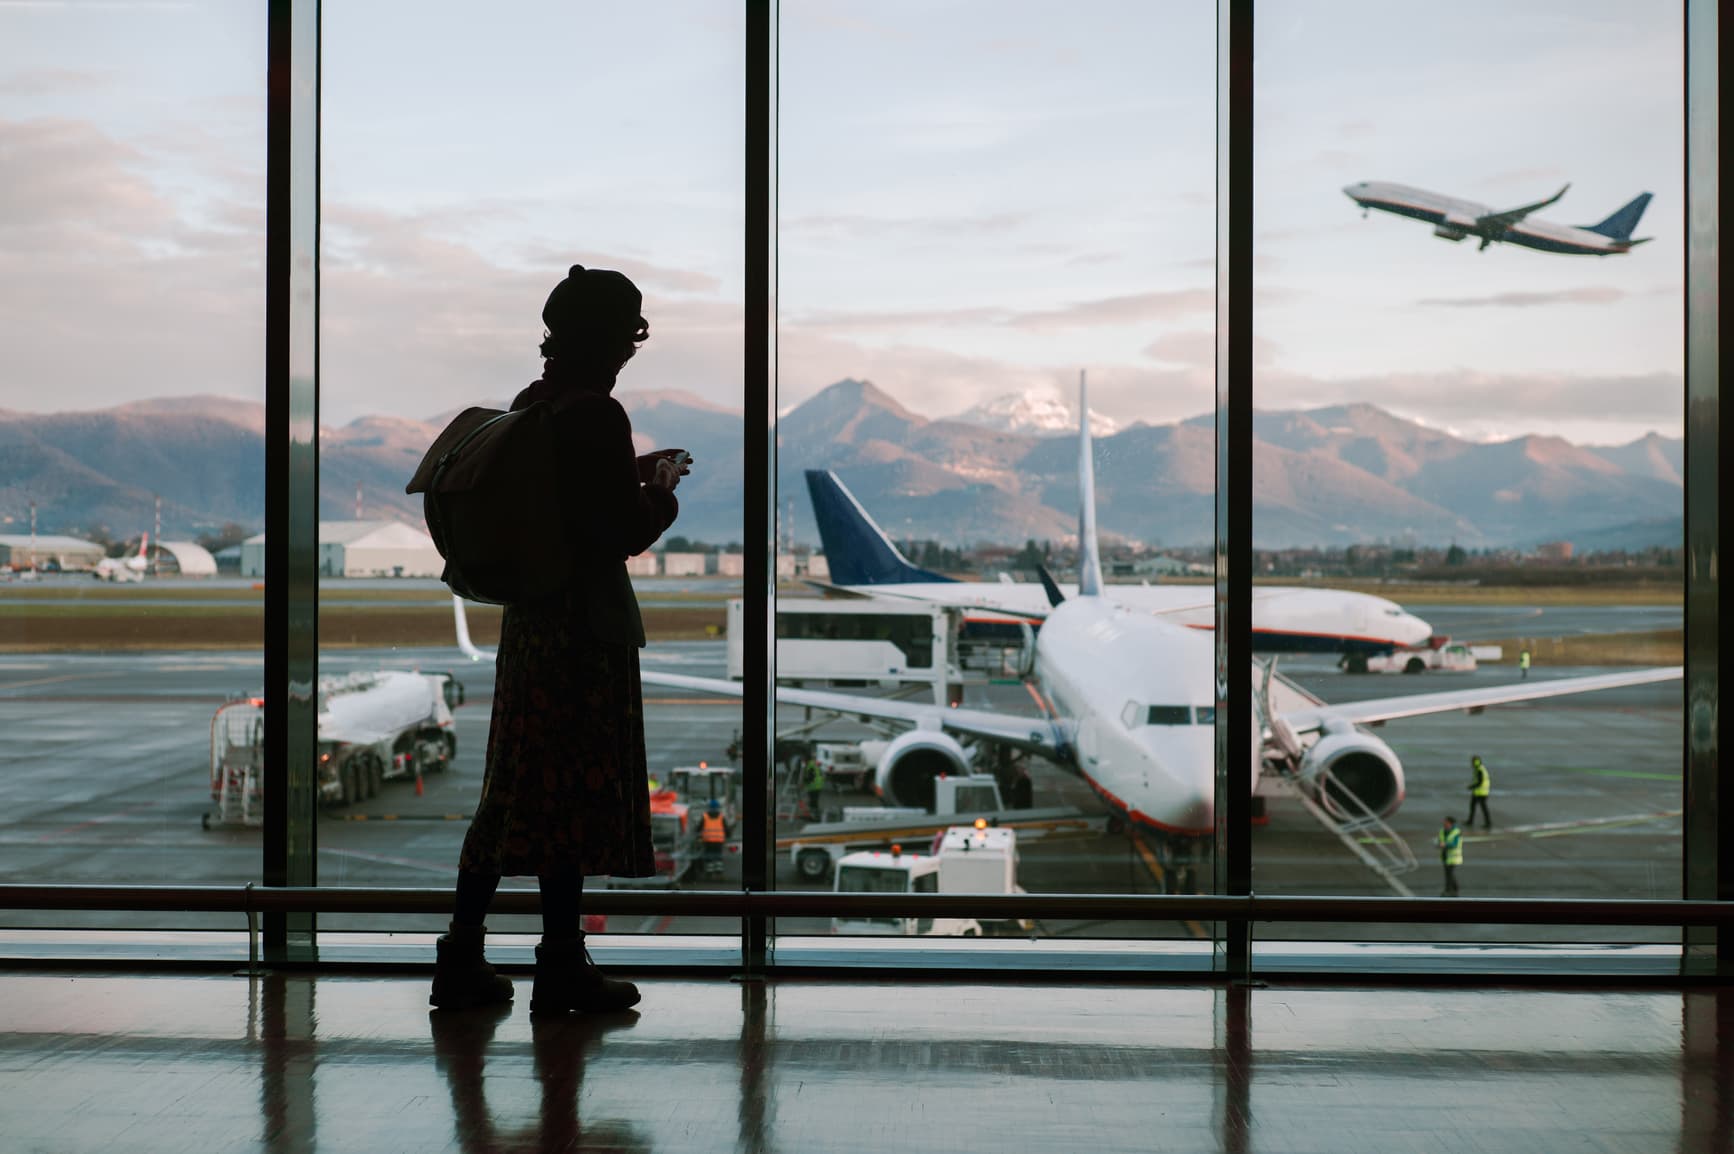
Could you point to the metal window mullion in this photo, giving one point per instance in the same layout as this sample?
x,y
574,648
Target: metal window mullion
x,y
1708,851
758,589
1235,734
291,461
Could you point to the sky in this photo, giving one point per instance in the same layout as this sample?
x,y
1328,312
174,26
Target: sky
x,y
973,199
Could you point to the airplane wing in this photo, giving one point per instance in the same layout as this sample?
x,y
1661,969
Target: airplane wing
x,y
1504,220
1042,735
1310,718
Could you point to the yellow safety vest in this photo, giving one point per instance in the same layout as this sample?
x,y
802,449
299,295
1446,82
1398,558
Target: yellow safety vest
x,y
1451,846
1483,781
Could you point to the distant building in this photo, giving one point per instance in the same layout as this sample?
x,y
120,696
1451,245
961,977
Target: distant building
x,y
683,564
818,568
183,558
785,566
360,549
1154,565
731,565
643,565
1553,551
50,552
228,560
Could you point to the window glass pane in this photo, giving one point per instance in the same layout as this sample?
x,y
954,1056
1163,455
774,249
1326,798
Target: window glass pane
x,y
603,136
1468,449
132,205
976,202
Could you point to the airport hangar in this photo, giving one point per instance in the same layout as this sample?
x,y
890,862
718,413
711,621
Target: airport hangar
x,y
360,549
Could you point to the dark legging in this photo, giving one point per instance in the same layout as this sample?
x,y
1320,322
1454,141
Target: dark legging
x,y
1478,803
561,894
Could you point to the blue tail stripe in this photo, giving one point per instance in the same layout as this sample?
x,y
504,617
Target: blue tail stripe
x,y
1623,223
857,550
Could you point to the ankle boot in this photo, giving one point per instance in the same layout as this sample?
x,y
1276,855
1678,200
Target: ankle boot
x,y
566,979
462,977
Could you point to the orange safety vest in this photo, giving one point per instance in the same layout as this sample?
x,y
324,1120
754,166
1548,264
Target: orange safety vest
x,y
712,831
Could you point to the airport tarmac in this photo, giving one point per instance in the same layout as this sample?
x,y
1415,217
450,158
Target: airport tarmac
x,y
104,776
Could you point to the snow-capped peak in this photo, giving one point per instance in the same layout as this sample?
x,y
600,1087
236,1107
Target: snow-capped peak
x,y
1033,411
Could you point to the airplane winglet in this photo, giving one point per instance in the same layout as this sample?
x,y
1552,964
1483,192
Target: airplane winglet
x,y
1089,555
1050,586
462,620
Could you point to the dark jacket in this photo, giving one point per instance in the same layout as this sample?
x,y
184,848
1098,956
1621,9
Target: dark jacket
x,y
606,506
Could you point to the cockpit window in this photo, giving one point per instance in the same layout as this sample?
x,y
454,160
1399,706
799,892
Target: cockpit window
x,y
1393,613
1169,715
1206,714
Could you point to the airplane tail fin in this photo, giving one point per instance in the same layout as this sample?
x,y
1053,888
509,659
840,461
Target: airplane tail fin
x,y
1623,223
1089,556
857,550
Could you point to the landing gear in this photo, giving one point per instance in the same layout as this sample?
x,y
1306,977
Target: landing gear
x,y
1176,865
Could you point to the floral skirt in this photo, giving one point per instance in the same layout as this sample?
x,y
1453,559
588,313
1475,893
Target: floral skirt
x,y
566,788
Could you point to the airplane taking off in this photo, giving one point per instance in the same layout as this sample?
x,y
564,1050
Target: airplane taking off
x,y
1128,703
1454,219
1285,619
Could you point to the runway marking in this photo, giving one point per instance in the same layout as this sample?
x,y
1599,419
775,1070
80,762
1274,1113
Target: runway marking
x,y
1560,828
719,700
1633,773
55,680
103,820
445,870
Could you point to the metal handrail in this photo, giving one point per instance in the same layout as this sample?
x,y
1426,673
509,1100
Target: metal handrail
x,y
253,899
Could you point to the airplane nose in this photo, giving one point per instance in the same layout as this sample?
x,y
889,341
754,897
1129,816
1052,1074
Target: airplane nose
x,y
1180,776
1349,191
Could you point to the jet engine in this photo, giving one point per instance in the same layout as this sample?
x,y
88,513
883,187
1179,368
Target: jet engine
x,y
912,761
1352,762
1446,232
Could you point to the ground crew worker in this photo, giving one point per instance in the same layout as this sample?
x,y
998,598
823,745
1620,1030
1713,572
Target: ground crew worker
x,y
1450,855
1479,787
1523,665
713,832
815,786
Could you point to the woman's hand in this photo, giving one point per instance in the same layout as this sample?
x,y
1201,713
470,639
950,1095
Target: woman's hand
x,y
666,473
647,463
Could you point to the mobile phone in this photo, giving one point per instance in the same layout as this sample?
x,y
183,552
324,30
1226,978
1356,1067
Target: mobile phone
x,y
682,459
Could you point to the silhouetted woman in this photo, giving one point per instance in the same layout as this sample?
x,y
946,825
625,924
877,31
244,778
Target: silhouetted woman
x,y
566,792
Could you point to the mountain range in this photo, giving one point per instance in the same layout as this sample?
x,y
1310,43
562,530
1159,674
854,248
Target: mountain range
x,y
1002,472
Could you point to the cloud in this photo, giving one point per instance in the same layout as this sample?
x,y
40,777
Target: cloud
x,y
1582,407
51,81
1101,312
118,289
1529,300
858,226
114,290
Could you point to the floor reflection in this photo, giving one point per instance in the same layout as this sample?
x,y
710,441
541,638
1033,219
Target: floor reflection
x,y
290,1063
559,1046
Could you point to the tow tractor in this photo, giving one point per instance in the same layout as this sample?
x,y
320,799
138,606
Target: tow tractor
x,y
820,847
1446,657
966,859
372,727
673,840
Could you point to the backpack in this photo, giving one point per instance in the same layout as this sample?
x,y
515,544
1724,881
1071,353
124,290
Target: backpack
x,y
492,499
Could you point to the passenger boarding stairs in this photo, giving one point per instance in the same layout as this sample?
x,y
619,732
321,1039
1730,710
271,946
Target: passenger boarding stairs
x,y
1336,807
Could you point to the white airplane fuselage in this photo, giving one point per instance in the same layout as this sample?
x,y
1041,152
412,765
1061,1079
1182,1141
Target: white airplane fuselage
x,y
1141,694
1454,218
1285,618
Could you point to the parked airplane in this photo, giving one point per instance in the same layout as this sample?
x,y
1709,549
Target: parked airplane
x,y
1285,619
1128,703
122,569
1454,219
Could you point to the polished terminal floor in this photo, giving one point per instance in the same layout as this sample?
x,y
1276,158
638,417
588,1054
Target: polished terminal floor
x,y
129,1063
